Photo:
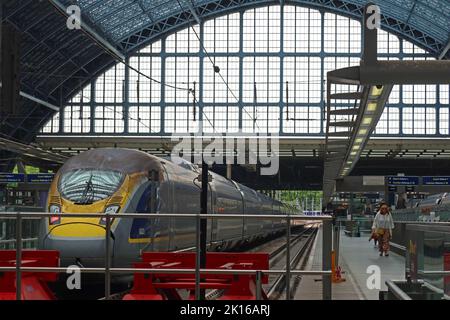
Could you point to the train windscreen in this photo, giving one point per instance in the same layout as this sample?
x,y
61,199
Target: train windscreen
x,y
86,186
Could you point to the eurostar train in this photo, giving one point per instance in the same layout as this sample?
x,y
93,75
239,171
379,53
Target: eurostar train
x,y
130,181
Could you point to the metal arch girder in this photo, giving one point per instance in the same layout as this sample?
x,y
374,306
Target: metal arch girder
x,y
37,100
71,59
24,4
21,148
100,68
193,11
155,32
213,10
172,23
93,30
152,33
68,76
445,50
50,48
77,66
38,125
177,13
90,30
35,111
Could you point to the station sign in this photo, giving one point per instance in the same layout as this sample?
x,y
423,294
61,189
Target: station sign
x,y
392,188
402,181
40,178
436,181
6,177
409,189
11,177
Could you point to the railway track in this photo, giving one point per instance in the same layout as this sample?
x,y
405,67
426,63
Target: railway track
x,y
277,259
301,247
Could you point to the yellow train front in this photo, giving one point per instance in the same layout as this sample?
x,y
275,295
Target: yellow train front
x,y
103,180
122,180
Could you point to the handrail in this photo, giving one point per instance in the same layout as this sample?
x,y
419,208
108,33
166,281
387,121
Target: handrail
x,y
162,215
171,271
398,246
399,293
435,289
434,273
14,240
107,270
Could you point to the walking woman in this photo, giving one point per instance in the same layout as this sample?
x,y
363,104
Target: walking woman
x,y
382,226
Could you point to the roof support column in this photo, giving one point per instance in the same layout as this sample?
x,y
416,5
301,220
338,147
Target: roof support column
x,y
444,52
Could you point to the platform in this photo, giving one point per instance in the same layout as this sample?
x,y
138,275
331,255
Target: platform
x,y
356,255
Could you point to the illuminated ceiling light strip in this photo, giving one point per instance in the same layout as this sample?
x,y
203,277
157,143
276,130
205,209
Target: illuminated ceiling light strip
x,y
367,121
376,91
362,132
372,106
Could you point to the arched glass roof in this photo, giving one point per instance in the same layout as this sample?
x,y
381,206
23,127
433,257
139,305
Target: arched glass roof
x,y
273,60
57,61
129,23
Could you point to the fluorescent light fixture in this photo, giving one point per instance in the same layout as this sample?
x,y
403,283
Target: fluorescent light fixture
x,y
349,163
362,132
376,91
359,140
356,147
353,153
372,106
367,121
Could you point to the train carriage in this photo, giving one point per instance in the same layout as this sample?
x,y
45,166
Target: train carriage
x,y
130,181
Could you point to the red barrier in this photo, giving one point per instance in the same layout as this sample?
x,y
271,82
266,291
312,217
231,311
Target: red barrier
x,y
34,284
163,286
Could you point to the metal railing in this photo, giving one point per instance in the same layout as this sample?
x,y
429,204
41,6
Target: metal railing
x,y
397,291
326,249
30,230
417,291
433,273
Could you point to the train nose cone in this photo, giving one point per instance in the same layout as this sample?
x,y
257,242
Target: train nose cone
x,y
88,250
88,253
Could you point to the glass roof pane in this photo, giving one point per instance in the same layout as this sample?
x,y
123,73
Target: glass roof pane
x,y
121,19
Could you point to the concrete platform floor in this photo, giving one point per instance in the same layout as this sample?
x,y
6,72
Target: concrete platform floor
x,y
357,255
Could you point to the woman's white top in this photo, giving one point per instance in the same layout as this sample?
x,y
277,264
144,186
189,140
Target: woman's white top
x,y
383,221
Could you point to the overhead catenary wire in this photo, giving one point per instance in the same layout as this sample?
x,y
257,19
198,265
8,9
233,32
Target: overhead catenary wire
x,y
175,87
189,90
215,67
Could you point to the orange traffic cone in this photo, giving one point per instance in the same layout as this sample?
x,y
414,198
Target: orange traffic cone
x,y
336,271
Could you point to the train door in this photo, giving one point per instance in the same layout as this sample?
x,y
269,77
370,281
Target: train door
x,y
150,234
163,203
160,225
244,220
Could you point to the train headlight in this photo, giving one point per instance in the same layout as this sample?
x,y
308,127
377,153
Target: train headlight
x,y
55,209
110,210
